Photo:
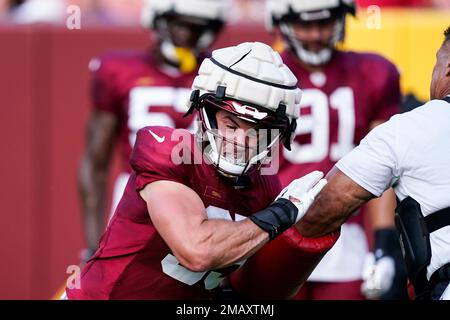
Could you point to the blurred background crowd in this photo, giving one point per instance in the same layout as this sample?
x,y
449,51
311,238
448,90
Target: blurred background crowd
x,y
126,12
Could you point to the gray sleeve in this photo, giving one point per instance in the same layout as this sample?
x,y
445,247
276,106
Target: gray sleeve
x,y
373,164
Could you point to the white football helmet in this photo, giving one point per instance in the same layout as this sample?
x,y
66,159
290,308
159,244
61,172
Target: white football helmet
x,y
208,17
251,82
283,13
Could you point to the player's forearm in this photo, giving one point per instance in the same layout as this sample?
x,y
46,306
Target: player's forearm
x,y
333,206
227,242
201,244
92,188
101,134
381,210
324,216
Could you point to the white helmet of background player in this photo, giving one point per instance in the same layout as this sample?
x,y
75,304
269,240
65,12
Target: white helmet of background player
x,y
285,13
207,17
250,81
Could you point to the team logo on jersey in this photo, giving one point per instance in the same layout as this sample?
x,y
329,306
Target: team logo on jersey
x,y
213,193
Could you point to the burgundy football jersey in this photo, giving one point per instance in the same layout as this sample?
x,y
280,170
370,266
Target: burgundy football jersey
x,y
133,261
337,108
141,92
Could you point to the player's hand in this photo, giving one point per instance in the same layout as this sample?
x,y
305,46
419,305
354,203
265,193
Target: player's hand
x,y
384,274
378,275
302,191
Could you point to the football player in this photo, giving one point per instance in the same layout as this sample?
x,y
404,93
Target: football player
x,y
133,89
345,94
197,206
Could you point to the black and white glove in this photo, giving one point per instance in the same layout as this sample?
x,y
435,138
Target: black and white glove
x,y
302,191
290,205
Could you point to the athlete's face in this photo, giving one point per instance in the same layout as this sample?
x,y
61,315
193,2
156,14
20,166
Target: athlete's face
x,y
314,35
186,31
440,79
240,139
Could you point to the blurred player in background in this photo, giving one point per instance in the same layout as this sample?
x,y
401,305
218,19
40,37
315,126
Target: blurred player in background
x,y
345,95
196,207
130,90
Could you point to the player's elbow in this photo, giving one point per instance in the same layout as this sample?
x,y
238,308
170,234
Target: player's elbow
x,y
196,259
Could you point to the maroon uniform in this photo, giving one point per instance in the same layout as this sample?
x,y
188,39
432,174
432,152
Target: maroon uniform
x,y
141,92
133,261
337,107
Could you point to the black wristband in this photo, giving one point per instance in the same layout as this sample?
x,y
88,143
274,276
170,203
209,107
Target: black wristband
x,y
387,240
276,218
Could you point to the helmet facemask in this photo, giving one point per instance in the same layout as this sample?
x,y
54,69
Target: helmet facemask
x,y
289,14
202,18
239,150
251,85
311,57
183,38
